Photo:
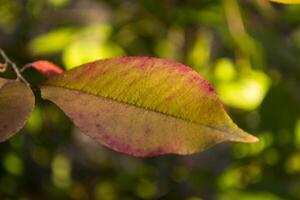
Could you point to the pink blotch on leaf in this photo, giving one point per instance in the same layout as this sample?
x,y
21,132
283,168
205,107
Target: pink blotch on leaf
x,y
203,83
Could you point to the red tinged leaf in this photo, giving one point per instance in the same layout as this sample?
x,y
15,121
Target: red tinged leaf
x,y
2,67
144,106
16,104
45,67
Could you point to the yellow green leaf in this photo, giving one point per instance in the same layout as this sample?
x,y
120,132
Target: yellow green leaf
x,y
52,42
87,50
287,1
16,104
144,106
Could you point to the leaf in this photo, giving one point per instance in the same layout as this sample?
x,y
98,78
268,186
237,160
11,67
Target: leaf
x,y
16,104
144,106
47,68
87,50
2,67
53,41
287,1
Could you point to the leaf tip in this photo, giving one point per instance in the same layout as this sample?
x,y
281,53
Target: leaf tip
x,y
244,137
253,139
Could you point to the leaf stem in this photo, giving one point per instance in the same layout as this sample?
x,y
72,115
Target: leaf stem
x,y
8,62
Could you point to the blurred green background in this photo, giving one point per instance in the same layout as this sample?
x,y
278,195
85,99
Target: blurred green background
x,y
248,49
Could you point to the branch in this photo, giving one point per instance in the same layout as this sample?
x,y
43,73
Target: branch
x,y
8,62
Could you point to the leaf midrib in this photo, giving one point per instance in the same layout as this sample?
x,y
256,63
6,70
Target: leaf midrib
x,y
156,111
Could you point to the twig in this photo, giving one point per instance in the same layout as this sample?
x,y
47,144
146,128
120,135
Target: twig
x,y
14,67
22,69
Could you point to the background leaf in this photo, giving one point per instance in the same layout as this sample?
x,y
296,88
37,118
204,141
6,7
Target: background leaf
x,y
144,106
287,1
16,104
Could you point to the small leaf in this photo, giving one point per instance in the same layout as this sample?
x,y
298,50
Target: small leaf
x,y
144,106
16,104
2,67
287,1
47,68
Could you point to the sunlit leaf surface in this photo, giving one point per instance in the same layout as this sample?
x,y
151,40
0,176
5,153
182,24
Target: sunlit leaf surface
x,y
287,1
16,104
144,106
